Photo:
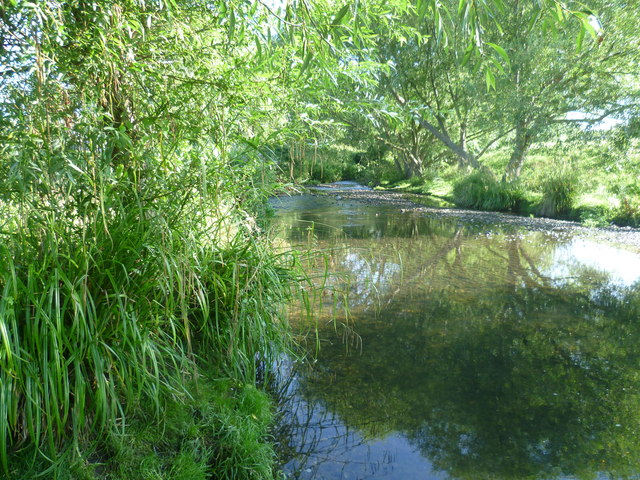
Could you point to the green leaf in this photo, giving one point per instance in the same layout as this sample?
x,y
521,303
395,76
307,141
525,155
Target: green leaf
x,y
500,51
490,79
337,20
559,12
467,55
258,48
461,5
580,38
421,8
306,62
589,28
534,19
500,6
232,24
498,66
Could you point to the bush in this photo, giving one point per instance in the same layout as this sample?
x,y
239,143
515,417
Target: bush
x,y
328,172
106,303
559,193
388,172
481,190
595,215
628,213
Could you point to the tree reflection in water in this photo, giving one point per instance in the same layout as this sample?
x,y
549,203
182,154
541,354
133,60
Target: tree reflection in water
x,y
480,352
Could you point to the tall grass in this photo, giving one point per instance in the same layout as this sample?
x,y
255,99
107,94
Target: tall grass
x,y
559,192
483,191
106,305
128,251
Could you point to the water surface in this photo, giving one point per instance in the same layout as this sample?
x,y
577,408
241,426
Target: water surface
x,y
470,350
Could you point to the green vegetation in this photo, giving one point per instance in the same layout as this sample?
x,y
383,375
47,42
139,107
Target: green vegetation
x,y
129,256
483,191
559,192
219,429
592,186
140,140
524,106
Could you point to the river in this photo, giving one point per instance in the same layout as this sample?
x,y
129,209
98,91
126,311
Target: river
x,y
469,349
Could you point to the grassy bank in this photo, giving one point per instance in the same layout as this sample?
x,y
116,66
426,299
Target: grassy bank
x,y
131,331
580,188
590,179
95,385
218,428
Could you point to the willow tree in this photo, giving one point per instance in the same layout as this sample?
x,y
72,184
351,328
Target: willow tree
x,y
462,77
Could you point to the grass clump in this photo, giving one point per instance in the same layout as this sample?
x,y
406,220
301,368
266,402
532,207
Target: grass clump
x,y
481,190
559,193
218,430
108,302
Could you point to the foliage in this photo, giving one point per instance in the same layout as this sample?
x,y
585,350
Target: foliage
x,y
132,148
483,191
308,161
221,426
559,190
431,104
384,169
594,215
111,314
128,248
628,213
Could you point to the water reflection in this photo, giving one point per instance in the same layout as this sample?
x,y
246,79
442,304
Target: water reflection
x,y
622,268
507,354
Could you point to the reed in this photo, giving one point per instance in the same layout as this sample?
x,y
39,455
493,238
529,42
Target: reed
x,y
108,307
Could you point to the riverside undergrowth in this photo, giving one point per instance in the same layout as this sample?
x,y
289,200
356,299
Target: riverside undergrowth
x,y
137,292
109,310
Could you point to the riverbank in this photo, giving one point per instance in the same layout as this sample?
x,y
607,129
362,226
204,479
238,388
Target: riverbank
x,y
584,184
414,204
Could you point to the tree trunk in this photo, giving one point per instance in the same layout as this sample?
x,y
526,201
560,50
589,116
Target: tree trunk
x,y
522,144
464,158
463,145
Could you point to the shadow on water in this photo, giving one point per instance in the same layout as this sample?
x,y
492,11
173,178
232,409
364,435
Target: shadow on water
x,y
485,352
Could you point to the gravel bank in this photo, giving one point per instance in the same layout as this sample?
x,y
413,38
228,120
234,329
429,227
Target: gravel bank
x,y
626,237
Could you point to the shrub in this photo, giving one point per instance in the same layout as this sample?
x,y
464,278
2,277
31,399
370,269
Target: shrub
x,y
595,215
388,172
628,213
106,303
483,191
327,172
559,193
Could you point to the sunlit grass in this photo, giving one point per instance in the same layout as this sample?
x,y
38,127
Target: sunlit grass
x,y
110,309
